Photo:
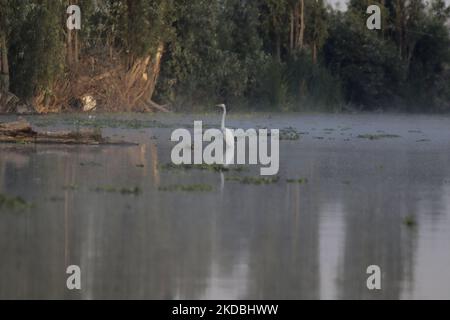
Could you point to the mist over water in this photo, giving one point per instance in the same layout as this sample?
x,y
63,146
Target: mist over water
x,y
239,241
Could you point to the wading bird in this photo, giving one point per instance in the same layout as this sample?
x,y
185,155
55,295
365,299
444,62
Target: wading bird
x,y
227,133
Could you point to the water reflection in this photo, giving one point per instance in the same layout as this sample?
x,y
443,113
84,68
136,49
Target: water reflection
x,y
282,241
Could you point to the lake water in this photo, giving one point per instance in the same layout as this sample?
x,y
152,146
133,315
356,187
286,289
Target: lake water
x,y
383,201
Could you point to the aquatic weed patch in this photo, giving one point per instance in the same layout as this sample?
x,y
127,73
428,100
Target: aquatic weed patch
x,y
70,187
90,164
298,181
410,221
254,180
378,136
13,203
289,134
187,188
123,190
201,167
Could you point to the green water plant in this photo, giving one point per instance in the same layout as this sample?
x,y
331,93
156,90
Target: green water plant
x,y
202,167
410,221
289,134
187,188
298,181
378,136
125,191
13,203
254,180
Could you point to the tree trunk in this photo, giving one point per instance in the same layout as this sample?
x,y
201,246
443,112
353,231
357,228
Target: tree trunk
x,y
72,50
76,48
278,47
4,67
277,44
291,33
399,26
69,53
302,23
314,52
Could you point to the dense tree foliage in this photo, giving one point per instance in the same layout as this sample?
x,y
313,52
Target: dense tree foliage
x,y
279,54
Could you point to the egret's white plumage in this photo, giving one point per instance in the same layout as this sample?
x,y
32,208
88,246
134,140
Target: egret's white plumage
x,y
228,135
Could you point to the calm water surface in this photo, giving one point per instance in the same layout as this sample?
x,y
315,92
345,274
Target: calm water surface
x,y
277,241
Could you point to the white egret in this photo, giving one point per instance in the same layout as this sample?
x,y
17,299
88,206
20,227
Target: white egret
x,y
227,133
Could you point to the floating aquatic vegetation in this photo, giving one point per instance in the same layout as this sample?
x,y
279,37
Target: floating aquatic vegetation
x,y
70,187
22,142
204,167
234,178
133,191
56,199
410,221
125,191
253,180
378,136
299,181
187,188
90,163
13,203
289,133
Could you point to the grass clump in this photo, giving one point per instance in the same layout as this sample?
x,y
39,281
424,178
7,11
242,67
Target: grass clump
x,y
90,163
378,136
203,167
410,221
299,181
70,187
187,188
254,180
125,191
13,203
289,134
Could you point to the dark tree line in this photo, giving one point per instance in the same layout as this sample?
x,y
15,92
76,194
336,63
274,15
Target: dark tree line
x,y
278,54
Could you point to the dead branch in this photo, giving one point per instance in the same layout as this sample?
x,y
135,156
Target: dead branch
x,y
22,132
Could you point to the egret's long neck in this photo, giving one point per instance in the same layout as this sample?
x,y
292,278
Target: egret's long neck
x,y
223,118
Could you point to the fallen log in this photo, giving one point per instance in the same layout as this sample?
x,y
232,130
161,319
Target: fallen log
x,y
22,132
